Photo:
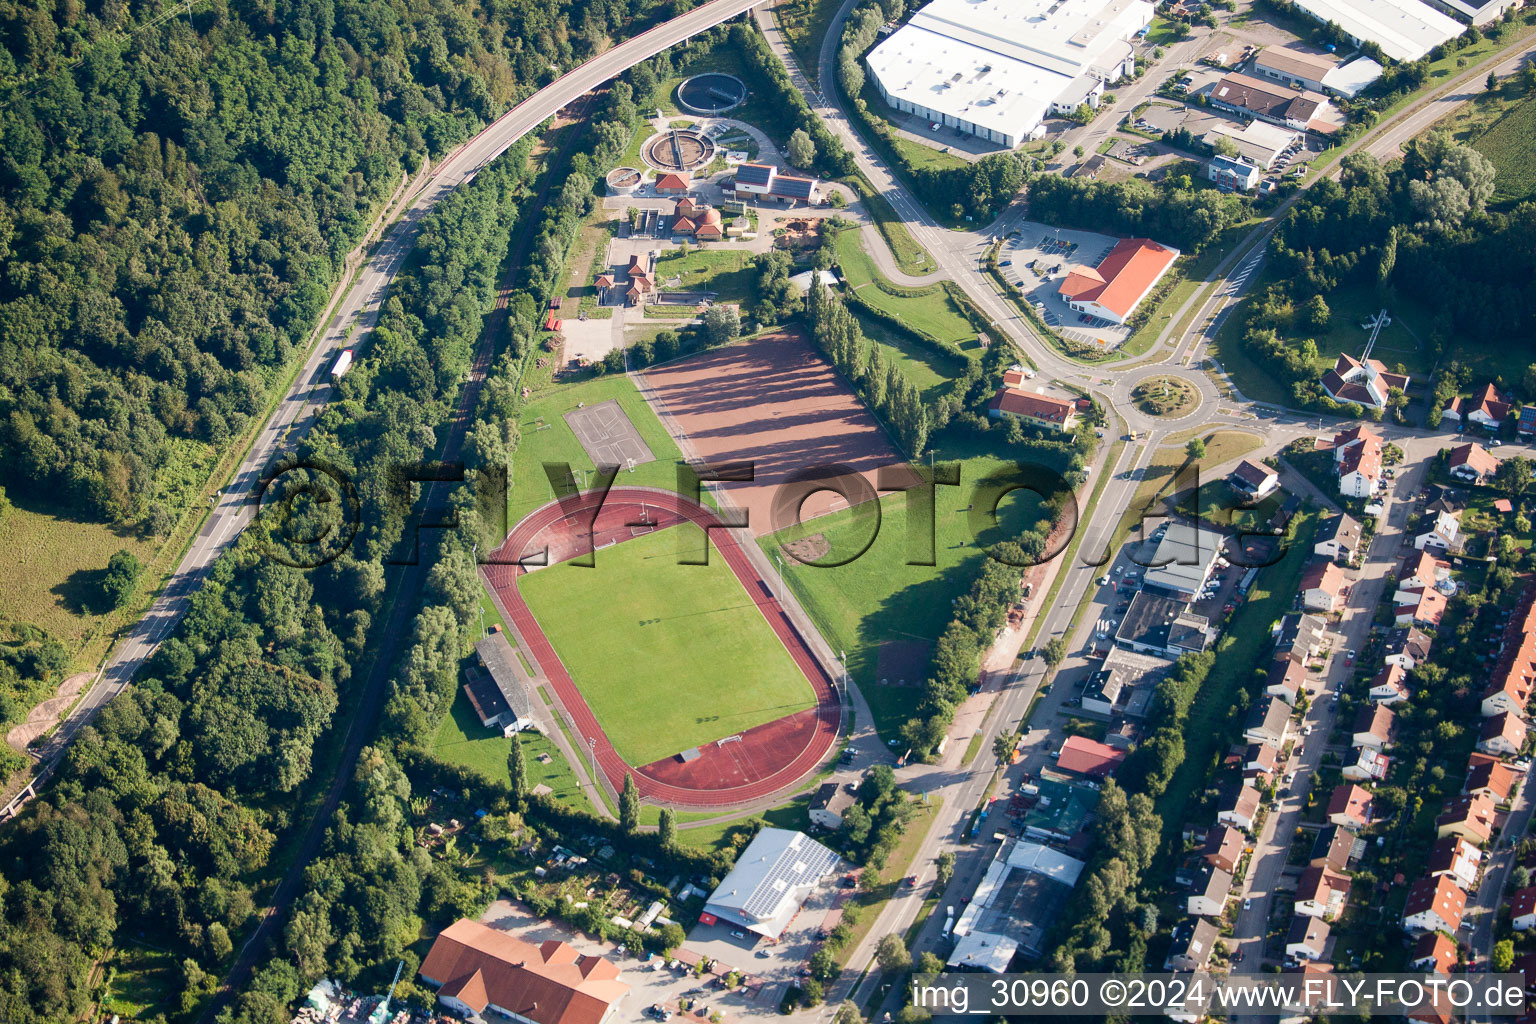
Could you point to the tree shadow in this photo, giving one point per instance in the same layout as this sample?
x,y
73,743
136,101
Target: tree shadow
x,y
81,592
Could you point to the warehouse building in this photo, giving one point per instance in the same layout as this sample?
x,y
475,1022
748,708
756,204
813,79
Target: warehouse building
x,y
1473,12
1259,143
998,68
1404,29
1013,907
771,879
1113,289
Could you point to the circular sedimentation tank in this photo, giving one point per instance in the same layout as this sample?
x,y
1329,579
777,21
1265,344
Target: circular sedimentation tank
x,y
713,92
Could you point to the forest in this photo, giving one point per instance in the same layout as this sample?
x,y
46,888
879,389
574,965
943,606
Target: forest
x,y
178,192
1172,211
1423,228
164,822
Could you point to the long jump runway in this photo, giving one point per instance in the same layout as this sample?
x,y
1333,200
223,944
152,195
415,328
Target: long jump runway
x,y
730,772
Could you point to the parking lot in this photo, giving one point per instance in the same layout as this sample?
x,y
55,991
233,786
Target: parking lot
x,y
1040,258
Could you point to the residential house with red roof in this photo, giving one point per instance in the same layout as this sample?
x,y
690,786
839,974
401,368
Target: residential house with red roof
x,y
1470,817
1406,646
672,183
1034,407
476,968
1522,909
1334,847
1337,537
1490,777
1083,756
1211,889
1239,806
1514,675
1457,857
1321,892
1260,761
1486,409
1223,849
1350,806
1357,461
1503,734
1253,479
1114,288
1390,685
1435,904
1365,383
1369,765
1287,678
1433,952
1307,938
1422,570
1420,606
1374,725
1471,463
1444,533
1322,585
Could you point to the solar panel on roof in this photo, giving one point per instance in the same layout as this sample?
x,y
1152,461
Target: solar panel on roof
x,y
754,174
787,871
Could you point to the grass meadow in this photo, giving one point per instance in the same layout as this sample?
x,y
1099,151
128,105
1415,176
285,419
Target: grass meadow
x,y
668,656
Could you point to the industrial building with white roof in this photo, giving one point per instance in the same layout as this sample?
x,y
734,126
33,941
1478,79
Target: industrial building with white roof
x,y
1404,29
998,68
771,879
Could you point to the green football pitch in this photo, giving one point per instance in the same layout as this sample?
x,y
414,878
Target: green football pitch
x,y
667,656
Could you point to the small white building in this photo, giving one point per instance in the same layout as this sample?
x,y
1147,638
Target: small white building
x,y
1522,909
1443,533
828,804
1212,887
1307,938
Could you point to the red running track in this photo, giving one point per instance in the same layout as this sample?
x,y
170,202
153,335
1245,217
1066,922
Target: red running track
x,y
744,769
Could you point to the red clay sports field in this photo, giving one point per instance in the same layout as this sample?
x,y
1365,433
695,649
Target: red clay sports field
x,y
729,772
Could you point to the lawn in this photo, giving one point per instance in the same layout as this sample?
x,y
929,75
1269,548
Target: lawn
x,y
877,597
911,257
462,740
668,656
144,983
1157,477
583,266
631,157
1398,343
52,578
726,272
930,309
1163,32
805,23
547,438
897,867
930,372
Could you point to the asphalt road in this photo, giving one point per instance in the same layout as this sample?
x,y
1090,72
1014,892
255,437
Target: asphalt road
x,y
354,317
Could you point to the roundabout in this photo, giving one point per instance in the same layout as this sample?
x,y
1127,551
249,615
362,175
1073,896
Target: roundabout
x,y
705,727
1166,396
